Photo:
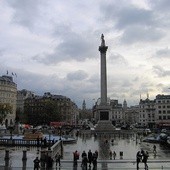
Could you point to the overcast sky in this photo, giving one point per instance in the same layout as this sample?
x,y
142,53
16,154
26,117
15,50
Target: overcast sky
x,y
52,46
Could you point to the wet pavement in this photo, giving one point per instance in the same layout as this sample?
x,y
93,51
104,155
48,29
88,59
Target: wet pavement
x,y
126,144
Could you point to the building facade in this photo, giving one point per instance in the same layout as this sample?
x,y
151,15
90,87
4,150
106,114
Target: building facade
x,y
67,109
162,106
147,113
8,95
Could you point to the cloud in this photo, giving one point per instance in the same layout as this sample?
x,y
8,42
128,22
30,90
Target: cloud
x,y
136,24
163,53
160,5
159,71
73,47
136,34
117,59
77,75
25,12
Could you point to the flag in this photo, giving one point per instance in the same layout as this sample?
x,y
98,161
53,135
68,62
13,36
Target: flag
x,y
15,74
12,73
7,72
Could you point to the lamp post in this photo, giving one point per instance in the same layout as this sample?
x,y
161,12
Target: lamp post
x,y
60,131
11,128
49,139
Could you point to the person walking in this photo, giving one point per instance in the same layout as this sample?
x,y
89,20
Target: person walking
x,y
84,154
154,149
57,159
145,159
49,163
90,157
138,159
36,163
114,155
97,154
94,158
110,154
75,157
84,163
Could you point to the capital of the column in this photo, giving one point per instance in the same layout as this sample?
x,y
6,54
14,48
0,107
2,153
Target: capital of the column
x,y
103,48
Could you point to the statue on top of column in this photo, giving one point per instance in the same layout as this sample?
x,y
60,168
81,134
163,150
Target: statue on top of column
x,y
103,41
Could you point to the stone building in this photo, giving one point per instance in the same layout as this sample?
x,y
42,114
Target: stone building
x,y
8,95
22,95
117,112
67,108
147,113
162,106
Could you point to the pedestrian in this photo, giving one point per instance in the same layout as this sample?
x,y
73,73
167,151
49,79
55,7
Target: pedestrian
x,y
90,157
94,158
84,163
114,155
38,141
57,159
110,154
97,154
36,163
49,163
154,149
75,157
138,159
45,142
145,159
84,154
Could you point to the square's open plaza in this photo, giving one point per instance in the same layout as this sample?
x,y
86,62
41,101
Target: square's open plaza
x,y
127,144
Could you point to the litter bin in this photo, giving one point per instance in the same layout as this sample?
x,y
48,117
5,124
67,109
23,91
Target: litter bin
x,y
121,154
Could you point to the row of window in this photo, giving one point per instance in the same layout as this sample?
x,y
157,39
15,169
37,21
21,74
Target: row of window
x,y
168,106
164,111
164,117
163,101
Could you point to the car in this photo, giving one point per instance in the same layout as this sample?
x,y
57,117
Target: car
x,y
164,130
147,130
2,127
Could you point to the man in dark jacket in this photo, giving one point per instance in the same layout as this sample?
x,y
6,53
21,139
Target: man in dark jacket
x,y
90,157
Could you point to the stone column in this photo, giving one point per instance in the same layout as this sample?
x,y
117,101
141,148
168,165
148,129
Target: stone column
x,y
103,75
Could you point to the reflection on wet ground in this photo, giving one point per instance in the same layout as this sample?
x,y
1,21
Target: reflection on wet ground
x,y
128,145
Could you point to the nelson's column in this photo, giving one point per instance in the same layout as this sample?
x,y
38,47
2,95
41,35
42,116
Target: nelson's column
x,y
103,109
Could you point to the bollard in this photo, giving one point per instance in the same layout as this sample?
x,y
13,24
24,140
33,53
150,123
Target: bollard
x,y
43,158
24,164
24,157
121,155
6,154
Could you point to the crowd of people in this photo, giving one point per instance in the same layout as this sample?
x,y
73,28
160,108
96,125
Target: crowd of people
x,y
142,156
88,159
48,162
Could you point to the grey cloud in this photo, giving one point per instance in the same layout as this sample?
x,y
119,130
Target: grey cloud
x,y
117,59
72,47
141,34
25,12
125,15
127,84
159,71
77,75
163,53
161,5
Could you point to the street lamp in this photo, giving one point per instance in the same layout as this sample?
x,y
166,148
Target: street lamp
x,y
60,131
11,129
49,139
